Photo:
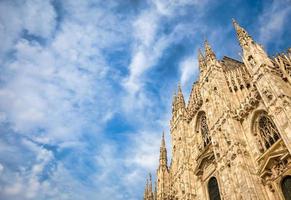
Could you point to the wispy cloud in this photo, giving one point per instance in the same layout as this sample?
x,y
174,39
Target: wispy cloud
x,y
188,68
86,88
273,20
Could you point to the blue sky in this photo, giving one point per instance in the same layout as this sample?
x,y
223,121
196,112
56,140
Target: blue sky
x,y
86,86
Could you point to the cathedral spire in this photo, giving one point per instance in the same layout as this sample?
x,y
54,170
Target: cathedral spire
x,y
178,102
163,143
150,183
209,53
254,55
150,189
244,38
180,98
145,196
201,61
155,192
163,152
174,102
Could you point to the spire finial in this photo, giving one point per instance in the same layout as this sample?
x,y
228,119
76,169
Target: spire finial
x,y
242,35
180,97
201,61
234,22
209,53
200,55
174,102
146,189
150,185
163,143
179,87
163,152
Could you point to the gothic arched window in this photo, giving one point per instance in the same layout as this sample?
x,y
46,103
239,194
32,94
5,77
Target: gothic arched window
x,y
204,130
213,189
266,131
286,187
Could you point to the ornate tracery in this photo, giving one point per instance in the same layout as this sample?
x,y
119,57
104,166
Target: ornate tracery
x,y
266,132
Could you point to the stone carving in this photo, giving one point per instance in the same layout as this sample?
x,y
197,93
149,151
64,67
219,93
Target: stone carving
x,y
235,129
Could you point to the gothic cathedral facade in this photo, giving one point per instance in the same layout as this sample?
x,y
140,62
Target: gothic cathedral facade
x,y
232,140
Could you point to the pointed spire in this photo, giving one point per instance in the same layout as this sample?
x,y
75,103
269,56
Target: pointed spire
x,y
244,38
174,103
163,143
147,186
145,196
179,88
150,183
155,192
150,189
180,98
201,61
163,152
209,53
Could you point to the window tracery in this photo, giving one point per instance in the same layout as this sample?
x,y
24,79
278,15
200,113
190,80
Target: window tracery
x,y
266,131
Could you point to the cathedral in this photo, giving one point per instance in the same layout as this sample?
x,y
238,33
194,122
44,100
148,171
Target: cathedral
x,y
232,140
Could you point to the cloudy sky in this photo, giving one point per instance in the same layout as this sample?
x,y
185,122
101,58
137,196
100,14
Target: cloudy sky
x,y
86,86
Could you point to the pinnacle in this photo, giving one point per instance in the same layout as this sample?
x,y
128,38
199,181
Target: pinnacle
x,y
208,49
237,27
243,37
234,22
201,60
179,88
200,53
163,144
206,44
180,97
174,98
150,184
180,93
200,56
163,151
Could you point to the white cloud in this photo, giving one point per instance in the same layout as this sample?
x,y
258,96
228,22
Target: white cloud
x,y
150,43
50,87
60,91
173,7
37,17
1,169
273,19
40,17
25,183
188,68
144,152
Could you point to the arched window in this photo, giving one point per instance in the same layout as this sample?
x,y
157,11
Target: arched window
x,y
204,130
213,189
266,131
286,187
